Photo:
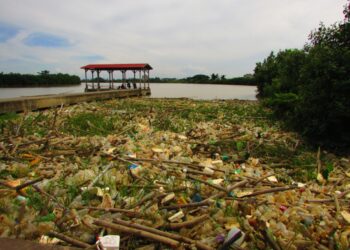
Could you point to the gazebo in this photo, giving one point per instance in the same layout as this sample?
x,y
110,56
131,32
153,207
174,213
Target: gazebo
x,y
142,69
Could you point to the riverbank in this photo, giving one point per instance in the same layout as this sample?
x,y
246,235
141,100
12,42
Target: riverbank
x,y
195,169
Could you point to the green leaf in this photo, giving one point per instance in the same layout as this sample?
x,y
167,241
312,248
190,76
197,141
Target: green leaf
x,y
46,218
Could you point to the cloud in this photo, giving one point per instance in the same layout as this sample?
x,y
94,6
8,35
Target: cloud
x,y
89,58
177,37
46,40
7,32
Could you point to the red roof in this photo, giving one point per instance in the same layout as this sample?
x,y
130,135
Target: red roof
x,y
133,66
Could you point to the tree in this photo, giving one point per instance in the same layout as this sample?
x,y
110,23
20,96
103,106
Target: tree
x,y
214,77
310,88
44,72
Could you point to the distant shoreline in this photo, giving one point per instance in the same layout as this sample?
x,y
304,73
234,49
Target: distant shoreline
x,y
41,86
205,83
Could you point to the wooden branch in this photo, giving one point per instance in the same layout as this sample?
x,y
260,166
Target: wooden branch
x,y
171,162
228,190
177,237
109,166
113,210
267,191
53,198
141,233
207,183
195,204
69,240
19,187
189,223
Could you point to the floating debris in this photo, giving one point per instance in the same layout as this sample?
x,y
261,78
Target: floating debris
x,y
169,173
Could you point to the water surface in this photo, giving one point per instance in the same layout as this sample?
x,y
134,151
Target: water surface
x,y
159,90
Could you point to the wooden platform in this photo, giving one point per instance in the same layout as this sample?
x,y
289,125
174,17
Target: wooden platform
x,y
29,103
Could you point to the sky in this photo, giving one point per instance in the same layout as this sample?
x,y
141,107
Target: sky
x,y
178,38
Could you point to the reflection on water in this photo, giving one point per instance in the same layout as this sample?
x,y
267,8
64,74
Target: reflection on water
x,y
159,90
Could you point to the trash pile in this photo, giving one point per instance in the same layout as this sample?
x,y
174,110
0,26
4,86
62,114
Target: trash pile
x,y
162,174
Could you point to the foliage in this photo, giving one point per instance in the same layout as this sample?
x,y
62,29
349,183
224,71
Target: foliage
x,y
247,79
43,79
89,124
310,88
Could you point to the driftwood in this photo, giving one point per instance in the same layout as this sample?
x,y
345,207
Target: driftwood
x,y
189,223
228,190
141,233
69,240
19,187
113,210
24,185
267,191
195,204
177,237
208,183
191,165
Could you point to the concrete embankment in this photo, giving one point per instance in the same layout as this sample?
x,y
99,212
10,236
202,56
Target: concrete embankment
x,y
30,103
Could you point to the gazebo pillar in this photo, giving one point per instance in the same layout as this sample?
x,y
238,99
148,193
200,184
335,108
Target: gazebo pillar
x,y
109,79
144,79
92,79
134,71
86,82
140,79
98,79
123,77
148,78
112,79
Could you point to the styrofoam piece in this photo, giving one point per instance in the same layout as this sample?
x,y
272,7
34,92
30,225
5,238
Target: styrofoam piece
x,y
108,242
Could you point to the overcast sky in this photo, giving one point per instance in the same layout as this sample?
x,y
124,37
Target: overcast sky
x,y
177,37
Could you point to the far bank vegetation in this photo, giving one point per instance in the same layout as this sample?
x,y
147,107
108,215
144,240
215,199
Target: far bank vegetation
x,y
42,79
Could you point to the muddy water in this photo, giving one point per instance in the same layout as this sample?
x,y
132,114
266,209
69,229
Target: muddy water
x,y
159,90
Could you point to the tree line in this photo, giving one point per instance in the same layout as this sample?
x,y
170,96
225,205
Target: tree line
x,y
247,79
42,79
309,88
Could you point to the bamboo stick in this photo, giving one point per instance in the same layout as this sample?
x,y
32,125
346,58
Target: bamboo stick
x,y
208,183
170,242
110,165
69,240
267,191
26,184
195,204
189,223
165,234
113,210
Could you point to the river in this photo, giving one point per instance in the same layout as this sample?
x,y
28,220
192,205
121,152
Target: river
x,y
159,90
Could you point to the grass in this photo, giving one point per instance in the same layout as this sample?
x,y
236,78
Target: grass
x,y
84,124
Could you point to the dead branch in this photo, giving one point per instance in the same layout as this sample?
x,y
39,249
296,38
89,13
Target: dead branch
x,y
141,233
69,240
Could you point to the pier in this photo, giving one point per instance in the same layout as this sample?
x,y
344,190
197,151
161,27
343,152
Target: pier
x,y
29,103
94,91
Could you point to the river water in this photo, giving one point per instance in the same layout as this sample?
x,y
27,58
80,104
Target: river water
x,y
159,90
